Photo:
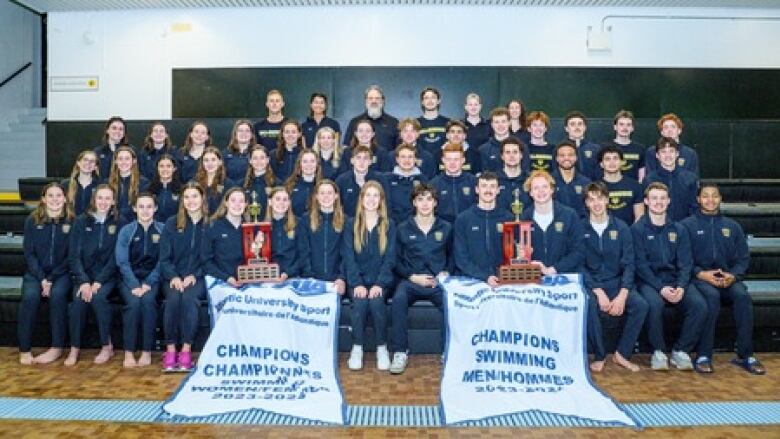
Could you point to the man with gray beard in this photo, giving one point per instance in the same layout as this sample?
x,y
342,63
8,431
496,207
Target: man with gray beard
x,y
385,125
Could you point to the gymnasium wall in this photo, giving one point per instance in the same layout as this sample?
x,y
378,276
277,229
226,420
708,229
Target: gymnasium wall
x,y
720,75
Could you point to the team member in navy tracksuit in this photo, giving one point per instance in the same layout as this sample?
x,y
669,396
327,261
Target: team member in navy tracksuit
x,y
575,124
365,135
720,259
181,273
46,236
198,138
223,250
318,119
409,131
511,177
490,151
518,123
156,144
369,257
269,130
569,182
137,256
456,187
166,188
404,178
424,252
683,185
663,267
608,274
456,135
212,178
288,248
635,162
433,126
351,181
115,136
259,178
236,155
93,266
82,182
556,235
382,124
323,228
625,193
126,181
478,130
669,125
329,152
301,183
477,234
541,154
290,145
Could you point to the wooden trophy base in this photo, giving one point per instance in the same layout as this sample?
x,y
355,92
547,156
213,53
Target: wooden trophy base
x,y
257,272
520,274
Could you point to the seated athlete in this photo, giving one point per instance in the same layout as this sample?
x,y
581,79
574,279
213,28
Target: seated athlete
x,y
663,267
477,234
424,252
608,273
720,259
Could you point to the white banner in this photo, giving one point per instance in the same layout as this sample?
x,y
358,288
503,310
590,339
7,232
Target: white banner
x,y
518,348
272,347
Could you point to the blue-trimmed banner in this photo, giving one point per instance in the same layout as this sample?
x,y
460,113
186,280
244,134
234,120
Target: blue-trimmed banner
x,y
519,348
273,348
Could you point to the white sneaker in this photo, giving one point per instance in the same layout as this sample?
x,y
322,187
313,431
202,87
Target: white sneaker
x,y
681,360
382,358
659,361
355,361
399,363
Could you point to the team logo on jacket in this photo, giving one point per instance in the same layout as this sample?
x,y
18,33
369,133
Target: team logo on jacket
x,y
111,229
613,235
418,162
175,197
500,227
588,154
291,234
220,187
438,236
373,160
416,183
559,226
672,237
578,189
155,238
65,228
268,190
680,161
726,232
466,190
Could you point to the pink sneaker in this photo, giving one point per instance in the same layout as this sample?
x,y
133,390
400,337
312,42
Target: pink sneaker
x,y
169,361
185,361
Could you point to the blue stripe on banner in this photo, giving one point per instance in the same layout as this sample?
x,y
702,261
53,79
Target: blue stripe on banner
x,y
665,414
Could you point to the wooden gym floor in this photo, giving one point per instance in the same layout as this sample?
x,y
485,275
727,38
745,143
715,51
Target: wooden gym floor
x,y
418,386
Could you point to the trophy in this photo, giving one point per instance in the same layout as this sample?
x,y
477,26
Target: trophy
x,y
517,267
256,242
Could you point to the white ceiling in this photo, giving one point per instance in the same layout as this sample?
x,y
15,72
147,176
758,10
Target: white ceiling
x,y
103,5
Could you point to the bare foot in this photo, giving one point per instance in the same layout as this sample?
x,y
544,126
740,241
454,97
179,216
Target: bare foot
x,y
621,361
105,354
49,356
145,359
129,360
73,357
597,366
26,358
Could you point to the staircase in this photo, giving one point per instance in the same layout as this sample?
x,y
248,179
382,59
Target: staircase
x,y
22,147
